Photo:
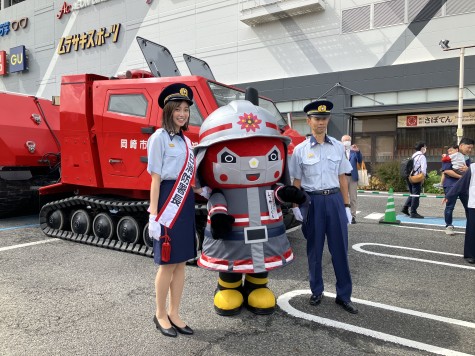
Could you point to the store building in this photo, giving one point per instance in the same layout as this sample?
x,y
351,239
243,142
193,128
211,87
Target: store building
x,y
379,61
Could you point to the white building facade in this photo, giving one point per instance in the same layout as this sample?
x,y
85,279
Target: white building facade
x,y
379,61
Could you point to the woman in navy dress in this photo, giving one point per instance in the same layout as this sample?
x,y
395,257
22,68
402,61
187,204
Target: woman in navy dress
x,y
168,156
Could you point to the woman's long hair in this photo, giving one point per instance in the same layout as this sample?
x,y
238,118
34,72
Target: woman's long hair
x,y
167,116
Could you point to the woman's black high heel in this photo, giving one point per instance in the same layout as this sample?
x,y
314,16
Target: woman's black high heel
x,y
186,330
167,332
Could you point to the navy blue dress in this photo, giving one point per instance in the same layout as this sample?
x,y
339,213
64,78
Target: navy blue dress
x,y
182,235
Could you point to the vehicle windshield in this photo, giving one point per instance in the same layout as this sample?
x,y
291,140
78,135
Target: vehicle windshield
x,y
224,95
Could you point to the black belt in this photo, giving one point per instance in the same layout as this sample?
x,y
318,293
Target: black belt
x,y
347,174
324,191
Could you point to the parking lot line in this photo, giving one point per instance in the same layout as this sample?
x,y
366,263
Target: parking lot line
x,y
27,244
284,303
18,227
359,248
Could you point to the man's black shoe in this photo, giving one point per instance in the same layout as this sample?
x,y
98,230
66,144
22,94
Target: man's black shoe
x,y
470,260
353,221
405,210
316,299
416,216
348,306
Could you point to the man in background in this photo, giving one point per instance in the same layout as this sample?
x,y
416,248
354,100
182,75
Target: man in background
x,y
353,154
452,177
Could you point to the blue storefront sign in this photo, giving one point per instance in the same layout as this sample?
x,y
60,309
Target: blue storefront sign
x,y
17,59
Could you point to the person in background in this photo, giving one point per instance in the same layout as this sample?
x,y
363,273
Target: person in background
x,y
354,155
420,166
319,165
456,158
466,185
451,177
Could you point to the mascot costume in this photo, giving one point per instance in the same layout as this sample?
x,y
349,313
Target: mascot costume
x,y
242,157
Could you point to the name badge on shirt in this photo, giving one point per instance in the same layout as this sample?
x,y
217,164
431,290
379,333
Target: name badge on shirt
x,y
171,145
310,155
271,206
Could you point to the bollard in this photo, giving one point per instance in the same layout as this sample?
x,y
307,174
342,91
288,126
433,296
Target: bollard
x,y
390,214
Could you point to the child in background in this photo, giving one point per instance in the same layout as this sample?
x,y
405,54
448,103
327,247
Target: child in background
x,y
457,160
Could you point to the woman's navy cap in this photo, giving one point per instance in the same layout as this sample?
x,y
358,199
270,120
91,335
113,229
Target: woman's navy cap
x,y
319,108
175,92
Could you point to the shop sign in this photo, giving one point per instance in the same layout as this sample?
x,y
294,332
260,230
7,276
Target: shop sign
x,y
78,5
65,9
17,59
3,62
14,25
433,120
90,39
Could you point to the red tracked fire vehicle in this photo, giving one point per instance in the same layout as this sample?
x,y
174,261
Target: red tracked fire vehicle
x,y
104,128
29,150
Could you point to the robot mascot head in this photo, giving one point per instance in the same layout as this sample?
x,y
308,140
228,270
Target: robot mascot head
x,y
240,146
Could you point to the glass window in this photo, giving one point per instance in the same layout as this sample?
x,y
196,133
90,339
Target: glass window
x,y
384,148
9,3
129,104
375,124
224,95
196,119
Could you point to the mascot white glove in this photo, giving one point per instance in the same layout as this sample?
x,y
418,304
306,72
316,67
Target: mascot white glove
x,y
154,227
206,192
348,215
297,214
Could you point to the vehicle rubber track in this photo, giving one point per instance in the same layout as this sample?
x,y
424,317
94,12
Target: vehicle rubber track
x,y
133,208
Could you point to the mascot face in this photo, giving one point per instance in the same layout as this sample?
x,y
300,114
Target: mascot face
x,y
247,162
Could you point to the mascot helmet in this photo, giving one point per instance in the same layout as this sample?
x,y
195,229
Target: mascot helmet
x,y
241,145
237,120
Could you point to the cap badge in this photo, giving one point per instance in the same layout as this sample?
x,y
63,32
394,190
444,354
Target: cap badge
x,y
184,92
322,108
249,122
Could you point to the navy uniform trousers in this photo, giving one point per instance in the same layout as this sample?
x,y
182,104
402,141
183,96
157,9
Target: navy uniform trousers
x,y
469,246
327,216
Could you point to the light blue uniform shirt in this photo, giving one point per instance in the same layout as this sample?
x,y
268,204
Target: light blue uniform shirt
x,y
166,154
319,165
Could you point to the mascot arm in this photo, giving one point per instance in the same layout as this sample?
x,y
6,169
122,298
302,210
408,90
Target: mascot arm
x,y
221,221
289,194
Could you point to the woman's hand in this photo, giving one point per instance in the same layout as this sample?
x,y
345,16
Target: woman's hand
x,y
154,227
205,192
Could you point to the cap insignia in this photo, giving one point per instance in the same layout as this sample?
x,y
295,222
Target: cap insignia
x,y
184,92
322,108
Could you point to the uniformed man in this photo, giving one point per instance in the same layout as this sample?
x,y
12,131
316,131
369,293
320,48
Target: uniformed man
x,y
319,165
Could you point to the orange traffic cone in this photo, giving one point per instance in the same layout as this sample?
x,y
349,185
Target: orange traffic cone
x,y
390,214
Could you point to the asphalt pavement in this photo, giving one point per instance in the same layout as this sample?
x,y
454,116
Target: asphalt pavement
x,y
414,291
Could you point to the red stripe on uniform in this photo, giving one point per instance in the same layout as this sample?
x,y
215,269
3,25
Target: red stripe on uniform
x,y
214,260
272,126
288,253
215,129
242,262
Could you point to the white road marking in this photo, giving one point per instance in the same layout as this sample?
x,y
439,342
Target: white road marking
x,y
358,247
27,244
284,303
374,216
18,227
423,228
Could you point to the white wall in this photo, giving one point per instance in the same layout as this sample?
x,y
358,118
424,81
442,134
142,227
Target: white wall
x,y
212,30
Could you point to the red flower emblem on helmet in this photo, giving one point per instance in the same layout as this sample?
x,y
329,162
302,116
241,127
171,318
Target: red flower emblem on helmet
x,y
249,122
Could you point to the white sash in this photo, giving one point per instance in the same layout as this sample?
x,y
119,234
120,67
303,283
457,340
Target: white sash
x,y
172,207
